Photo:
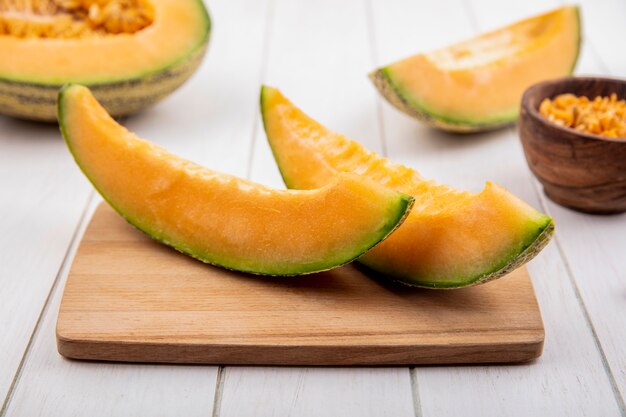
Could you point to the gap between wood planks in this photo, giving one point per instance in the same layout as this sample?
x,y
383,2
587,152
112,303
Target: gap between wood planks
x,y
83,221
570,272
474,24
371,32
262,74
219,388
583,307
221,371
544,207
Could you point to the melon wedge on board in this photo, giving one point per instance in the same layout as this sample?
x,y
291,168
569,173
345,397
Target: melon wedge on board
x,y
478,84
221,219
450,239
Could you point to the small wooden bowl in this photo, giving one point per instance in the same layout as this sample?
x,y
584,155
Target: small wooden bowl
x,y
578,170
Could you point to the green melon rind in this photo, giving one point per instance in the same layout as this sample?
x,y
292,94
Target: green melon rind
x,y
531,247
35,99
28,101
397,211
265,91
540,232
384,82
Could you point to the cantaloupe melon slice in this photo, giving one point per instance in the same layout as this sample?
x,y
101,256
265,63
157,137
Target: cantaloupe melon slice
x,y
218,218
478,84
131,53
450,239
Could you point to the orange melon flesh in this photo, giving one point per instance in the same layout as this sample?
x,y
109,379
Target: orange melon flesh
x,y
450,239
478,84
179,27
222,219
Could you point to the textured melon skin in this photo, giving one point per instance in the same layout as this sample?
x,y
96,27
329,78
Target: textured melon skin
x,y
538,228
37,100
395,207
394,95
383,80
536,241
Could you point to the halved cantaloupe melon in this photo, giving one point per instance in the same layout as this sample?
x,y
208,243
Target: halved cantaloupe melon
x,y
450,239
131,53
218,218
478,84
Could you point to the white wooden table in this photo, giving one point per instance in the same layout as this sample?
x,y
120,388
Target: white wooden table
x,y
318,53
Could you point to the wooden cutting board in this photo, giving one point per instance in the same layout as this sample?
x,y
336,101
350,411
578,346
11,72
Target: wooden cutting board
x,y
130,299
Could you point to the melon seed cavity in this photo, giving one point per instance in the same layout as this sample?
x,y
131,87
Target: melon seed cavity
x,y
73,18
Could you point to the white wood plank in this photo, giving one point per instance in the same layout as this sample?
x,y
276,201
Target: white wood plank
x,y
210,120
318,56
52,386
603,27
593,246
41,199
314,392
569,379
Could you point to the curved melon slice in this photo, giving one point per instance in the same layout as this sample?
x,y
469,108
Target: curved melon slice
x,y
218,218
450,239
478,84
131,53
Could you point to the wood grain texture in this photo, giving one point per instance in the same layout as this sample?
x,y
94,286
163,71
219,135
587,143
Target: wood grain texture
x,y
578,170
131,299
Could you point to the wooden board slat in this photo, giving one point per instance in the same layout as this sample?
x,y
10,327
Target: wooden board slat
x,y
129,298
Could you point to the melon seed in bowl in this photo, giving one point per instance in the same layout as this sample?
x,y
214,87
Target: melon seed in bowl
x,y
566,142
603,116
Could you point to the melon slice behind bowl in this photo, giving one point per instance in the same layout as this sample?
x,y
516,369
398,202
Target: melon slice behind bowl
x,y
222,219
450,239
477,84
